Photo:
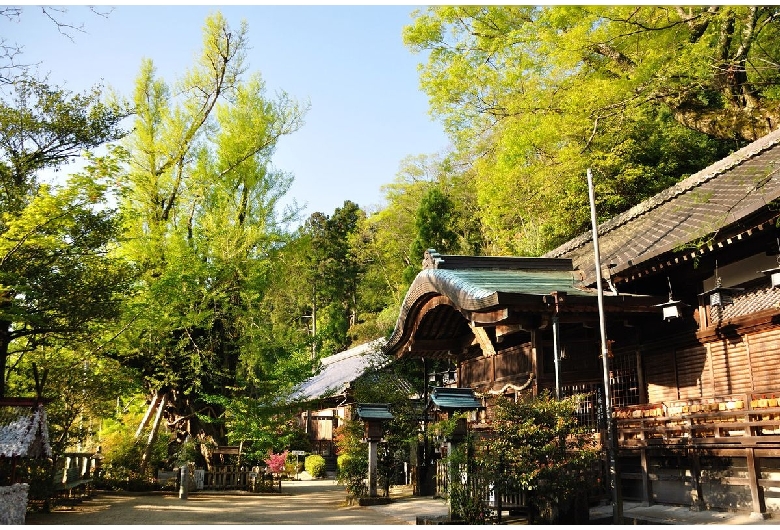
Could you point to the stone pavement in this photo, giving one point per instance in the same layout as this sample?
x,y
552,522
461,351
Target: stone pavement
x,y
635,513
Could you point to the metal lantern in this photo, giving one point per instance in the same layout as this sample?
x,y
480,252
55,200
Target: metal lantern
x,y
721,296
774,276
672,309
452,375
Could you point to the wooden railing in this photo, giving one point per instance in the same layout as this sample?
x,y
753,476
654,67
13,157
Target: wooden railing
x,y
480,485
240,478
226,478
735,421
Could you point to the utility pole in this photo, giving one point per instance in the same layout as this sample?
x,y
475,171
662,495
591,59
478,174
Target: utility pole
x,y
617,501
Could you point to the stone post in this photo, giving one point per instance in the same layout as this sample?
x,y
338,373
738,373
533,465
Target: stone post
x,y
184,481
372,467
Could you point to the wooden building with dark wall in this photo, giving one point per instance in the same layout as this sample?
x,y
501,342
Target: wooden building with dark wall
x,y
326,395
696,396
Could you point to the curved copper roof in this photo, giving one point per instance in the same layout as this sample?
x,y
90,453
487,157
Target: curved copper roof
x,y
453,293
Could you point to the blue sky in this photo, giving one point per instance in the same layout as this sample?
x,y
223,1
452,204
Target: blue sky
x,y
367,112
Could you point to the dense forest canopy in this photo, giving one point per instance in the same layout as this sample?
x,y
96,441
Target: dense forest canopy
x,y
643,95
166,270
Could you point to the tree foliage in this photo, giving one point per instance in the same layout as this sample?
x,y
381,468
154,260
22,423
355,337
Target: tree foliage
x,y
191,282
201,204
539,447
58,279
335,271
432,222
536,95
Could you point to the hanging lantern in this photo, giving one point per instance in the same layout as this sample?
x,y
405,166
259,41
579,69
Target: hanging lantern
x,y
774,276
451,375
721,296
673,308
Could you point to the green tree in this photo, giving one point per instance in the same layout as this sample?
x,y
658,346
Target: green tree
x,y
352,460
539,447
396,383
58,279
534,96
82,386
385,237
432,223
202,207
332,273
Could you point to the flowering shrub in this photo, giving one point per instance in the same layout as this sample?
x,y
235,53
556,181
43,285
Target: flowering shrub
x,y
275,462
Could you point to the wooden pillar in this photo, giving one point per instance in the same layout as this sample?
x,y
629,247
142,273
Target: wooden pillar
x,y
758,504
697,496
647,487
640,376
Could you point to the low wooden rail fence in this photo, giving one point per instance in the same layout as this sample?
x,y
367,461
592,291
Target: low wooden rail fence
x,y
226,478
240,478
480,486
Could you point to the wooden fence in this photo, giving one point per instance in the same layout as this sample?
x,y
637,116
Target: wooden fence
x,y
479,486
240,478
226,478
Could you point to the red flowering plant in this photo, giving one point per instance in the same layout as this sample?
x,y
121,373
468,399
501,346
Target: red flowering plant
x,y
275,462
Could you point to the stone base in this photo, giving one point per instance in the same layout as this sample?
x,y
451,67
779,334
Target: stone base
x,y
13,504
436,520
373,501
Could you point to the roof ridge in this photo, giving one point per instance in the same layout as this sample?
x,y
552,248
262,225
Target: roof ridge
x,y
359,350
697,179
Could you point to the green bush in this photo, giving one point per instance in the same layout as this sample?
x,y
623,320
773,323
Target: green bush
x,y
352,473
292,465
315,466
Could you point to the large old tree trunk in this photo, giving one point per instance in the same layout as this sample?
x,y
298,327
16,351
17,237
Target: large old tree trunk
x,y
745,124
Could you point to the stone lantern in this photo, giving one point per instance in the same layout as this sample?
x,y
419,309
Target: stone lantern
x,y
373,415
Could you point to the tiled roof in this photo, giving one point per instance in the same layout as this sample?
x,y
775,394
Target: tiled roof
x,y
374,411
696,209
338,370
24,433
455,398
477,284
478,289
750,302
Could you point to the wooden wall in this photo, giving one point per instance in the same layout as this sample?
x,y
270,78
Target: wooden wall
x,y
510,365
724,366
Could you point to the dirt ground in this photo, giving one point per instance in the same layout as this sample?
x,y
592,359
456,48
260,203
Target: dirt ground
x,y
315,502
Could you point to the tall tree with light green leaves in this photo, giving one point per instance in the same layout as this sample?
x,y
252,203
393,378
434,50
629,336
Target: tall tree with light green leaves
x,y
202,205
385,238
643,95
